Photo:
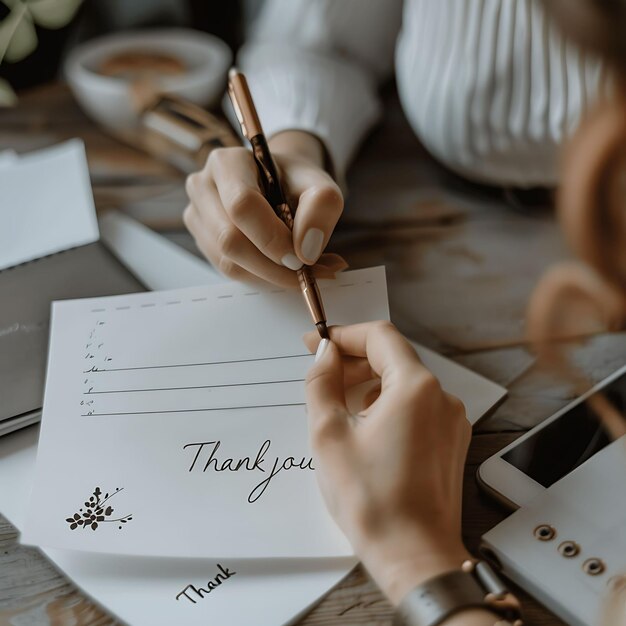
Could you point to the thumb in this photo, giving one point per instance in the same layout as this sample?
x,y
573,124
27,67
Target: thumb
x,y
325,394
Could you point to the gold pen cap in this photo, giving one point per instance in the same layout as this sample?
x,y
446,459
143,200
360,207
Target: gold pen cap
x,y
239,94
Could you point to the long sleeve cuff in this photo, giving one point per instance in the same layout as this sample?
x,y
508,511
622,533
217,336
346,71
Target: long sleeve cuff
x,y
304,90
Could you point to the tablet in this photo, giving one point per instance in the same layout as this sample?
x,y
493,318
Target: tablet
x,y
551,450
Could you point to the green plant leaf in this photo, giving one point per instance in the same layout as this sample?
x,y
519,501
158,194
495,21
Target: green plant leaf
x,y
53,13
17,35
8,98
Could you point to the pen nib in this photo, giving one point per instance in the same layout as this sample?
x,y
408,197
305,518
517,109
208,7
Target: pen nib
x,y
322,329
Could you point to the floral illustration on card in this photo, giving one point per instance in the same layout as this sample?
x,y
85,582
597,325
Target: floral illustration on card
x,y
96,511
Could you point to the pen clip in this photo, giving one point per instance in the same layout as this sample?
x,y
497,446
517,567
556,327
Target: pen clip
x,y
233,99
241,98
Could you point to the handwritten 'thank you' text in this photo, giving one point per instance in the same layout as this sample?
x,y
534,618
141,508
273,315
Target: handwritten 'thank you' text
x,y
193,593
206,459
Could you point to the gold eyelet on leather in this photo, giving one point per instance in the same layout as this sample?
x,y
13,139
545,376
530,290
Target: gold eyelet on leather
x,y
593,566
569,549
545,532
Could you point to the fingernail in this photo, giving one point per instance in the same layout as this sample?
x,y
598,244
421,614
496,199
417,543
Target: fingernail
x,y
292,262
321,349
312,244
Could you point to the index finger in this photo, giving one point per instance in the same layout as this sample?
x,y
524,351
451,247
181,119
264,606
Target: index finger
x,y
248,209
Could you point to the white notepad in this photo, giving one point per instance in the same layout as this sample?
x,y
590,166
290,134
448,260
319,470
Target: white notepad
x,y
174,423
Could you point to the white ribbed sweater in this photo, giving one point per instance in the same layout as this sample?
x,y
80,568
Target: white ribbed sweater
x,y
489,86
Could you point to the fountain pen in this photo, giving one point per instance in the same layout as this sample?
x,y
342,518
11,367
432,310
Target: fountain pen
x,y
248,118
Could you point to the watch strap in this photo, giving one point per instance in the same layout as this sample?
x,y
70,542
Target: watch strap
x,y
439,598
474,586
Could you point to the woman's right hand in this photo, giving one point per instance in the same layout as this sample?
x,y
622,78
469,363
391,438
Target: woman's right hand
x,y
235,227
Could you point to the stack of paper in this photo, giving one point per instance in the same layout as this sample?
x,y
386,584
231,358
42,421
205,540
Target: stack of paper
x,y
174,425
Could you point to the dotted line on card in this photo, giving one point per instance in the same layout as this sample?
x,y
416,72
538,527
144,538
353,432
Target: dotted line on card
x,y
145,305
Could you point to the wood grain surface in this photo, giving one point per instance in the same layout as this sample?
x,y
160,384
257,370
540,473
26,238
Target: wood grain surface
x,y
461,262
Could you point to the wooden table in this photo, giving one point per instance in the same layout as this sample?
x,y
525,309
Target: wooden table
x,y
461,262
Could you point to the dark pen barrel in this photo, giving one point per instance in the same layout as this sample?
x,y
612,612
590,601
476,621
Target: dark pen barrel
x,y
269,179
268,173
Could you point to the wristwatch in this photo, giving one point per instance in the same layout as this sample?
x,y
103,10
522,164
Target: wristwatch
x,y
475,585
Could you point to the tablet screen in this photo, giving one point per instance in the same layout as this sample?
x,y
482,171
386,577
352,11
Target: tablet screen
x,y
557,449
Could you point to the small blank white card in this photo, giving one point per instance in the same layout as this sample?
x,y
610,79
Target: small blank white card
x,y
47,203
174,423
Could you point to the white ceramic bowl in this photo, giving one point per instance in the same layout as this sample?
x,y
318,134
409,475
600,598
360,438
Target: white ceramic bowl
x,y
107,99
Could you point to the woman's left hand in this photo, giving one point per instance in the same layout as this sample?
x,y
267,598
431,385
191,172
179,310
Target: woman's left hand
x,y
391,476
